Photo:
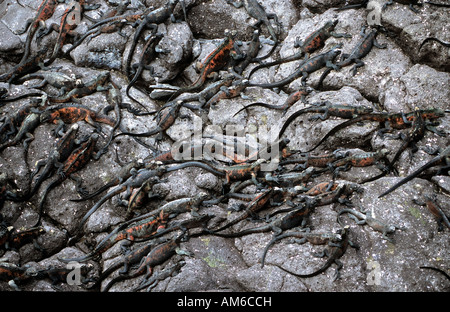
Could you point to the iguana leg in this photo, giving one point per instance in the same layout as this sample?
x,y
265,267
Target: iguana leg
x,y
80,190
321,117
358,63
379,45
39,165
339,267
358,221
27,141
27,25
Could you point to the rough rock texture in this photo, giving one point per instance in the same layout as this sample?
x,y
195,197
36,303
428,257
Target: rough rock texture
x,y
399,78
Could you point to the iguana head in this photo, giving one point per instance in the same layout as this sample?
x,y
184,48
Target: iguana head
x,y
201,196
331,24
45,116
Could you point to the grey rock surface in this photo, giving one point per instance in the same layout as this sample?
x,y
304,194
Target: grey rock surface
x,y
400,78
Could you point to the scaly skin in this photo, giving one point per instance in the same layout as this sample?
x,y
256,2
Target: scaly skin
x,y
316,40
63,148
5,99
280,145
88,88
338,110
11,272
257,11
239,152
415,134
147,55
339,194
432,206
328,109
293,98
215,61
139,197
164,157
208,91
150,20
394,121
303,237
124,173
29,65
321,188
177,154
156,256
236,89
77,160
313,42
319,161
231,173
133,257
257,204
177,206
30,123
71,113
126,18
444,43
44,12
362,48
119,10
136,231
307,67
165,118
60,275
288,221
443,158
66,27
184,225
334,251
290,178
162,275
250,54
58,80
367,218
14,121
135,181
358,160
19,238
114,98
